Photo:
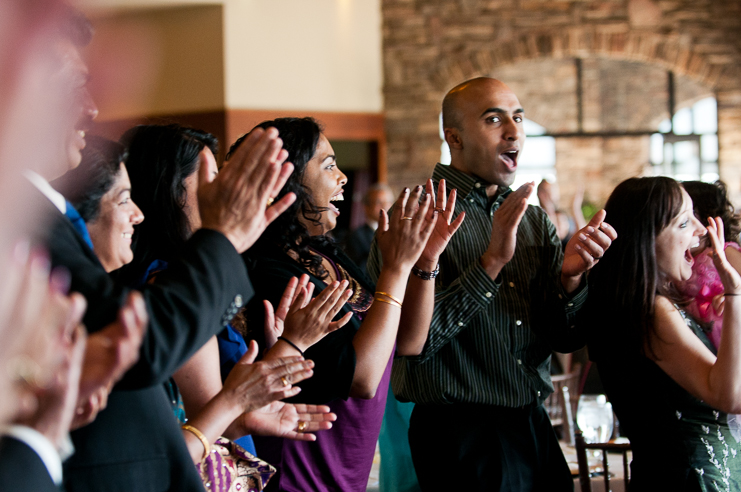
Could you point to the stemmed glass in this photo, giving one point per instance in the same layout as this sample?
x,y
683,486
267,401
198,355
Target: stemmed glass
x,y
595,419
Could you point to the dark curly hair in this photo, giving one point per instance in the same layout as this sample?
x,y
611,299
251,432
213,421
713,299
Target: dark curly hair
x,y
711,200
161,157
85,185
300,138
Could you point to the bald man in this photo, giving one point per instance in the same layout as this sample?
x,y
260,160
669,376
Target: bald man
x,y
504,297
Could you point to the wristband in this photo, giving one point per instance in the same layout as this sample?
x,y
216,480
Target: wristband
x,y
292,345
426,275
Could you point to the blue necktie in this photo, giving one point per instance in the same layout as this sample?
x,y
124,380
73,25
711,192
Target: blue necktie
x,y
78,223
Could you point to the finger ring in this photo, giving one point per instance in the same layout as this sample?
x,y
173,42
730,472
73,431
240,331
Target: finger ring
x,y
284,381
407,218
302,425
270,201
439,209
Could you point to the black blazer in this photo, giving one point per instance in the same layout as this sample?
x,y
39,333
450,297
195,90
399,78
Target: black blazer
x,y
136,443
22,469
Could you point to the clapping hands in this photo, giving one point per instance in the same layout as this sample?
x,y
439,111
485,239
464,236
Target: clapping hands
x,y
302,319
442,214
403,236
728,275
235,202
585,249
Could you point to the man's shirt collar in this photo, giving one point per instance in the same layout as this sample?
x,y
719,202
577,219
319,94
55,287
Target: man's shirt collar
x,y
464,183
46,189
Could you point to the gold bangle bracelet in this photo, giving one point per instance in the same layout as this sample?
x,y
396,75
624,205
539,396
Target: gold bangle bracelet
x,y
378,292
199,435
388,301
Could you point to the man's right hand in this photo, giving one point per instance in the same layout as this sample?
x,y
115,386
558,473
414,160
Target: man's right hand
x,y
504,230
235,202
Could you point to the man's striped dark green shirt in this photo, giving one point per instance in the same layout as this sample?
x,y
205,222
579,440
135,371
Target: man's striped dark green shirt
x,y
490,341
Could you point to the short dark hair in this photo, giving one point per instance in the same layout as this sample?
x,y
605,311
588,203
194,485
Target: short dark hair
x,y
711,200
161,157
300,138
85,185
626,280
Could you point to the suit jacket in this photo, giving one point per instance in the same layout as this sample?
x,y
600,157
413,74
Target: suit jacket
x,y
22,469
136,443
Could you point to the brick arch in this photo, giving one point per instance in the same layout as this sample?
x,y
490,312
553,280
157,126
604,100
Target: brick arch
x,y
583,42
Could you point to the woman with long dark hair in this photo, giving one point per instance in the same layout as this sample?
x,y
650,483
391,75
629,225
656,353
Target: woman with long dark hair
x,y
668,386
165,163
352,365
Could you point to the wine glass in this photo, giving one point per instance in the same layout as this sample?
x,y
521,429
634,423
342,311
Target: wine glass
x,y
595,419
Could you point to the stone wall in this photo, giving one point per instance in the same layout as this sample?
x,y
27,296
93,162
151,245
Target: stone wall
x,y
627,47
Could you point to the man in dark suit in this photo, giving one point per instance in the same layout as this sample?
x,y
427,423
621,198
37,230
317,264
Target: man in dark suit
x,y
357,243
135,443
42,341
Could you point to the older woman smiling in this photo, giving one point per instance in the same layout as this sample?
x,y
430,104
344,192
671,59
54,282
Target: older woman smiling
x,y
100,190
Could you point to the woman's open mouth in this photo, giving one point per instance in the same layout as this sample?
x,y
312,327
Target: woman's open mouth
x,y
336,198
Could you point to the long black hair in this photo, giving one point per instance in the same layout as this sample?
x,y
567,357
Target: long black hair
x,y
85,185
625,282
300,138
161,157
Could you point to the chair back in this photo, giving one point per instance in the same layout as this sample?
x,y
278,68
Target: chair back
x,y
554,404
581,457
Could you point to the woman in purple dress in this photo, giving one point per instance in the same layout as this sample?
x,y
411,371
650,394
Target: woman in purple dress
x,y
352,364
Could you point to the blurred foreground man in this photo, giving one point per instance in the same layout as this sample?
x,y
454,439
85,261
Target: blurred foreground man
x,y
135,444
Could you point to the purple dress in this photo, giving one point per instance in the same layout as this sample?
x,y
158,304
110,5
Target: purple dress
x,y
340,459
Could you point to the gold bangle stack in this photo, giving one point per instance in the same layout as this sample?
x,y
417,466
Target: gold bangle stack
x,y
394,301
199,435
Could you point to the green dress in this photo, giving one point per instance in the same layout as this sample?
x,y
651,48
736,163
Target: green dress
x,y
679,442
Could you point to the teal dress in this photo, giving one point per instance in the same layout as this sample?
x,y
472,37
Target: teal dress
x,y
679,442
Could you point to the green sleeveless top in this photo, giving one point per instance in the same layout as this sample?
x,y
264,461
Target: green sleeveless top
x,y
679,442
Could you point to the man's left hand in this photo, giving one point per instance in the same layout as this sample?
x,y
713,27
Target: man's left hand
x,y
585,249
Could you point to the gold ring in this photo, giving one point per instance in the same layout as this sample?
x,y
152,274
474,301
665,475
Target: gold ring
x,y
302,425
407,218
284,381
270,201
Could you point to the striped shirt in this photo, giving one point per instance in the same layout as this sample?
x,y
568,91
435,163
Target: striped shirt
x,y
490,341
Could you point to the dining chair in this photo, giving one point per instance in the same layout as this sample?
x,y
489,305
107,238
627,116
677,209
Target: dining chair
x,y
554,404
581,457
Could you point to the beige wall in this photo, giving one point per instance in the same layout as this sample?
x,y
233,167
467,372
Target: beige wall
x,y
321,55
158,61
